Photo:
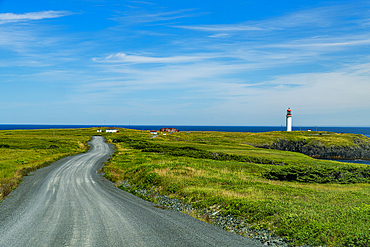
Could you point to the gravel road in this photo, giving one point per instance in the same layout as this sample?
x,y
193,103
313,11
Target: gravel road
x,y
70,204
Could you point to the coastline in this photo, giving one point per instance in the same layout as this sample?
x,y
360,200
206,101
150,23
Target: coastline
x,y
256,129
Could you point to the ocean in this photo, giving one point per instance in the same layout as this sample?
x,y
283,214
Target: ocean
x,y
354,130
366,162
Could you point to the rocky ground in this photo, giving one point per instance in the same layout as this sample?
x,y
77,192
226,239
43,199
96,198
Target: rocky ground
x,y
227,222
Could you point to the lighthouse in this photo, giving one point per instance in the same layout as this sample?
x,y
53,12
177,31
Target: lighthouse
x,y
289,120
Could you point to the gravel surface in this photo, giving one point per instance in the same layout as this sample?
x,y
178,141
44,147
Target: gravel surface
x,y
70,204
226,222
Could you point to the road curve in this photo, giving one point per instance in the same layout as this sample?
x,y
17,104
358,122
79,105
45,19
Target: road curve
x,y
70,204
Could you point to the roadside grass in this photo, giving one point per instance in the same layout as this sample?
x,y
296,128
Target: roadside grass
x,y
330,214
218,170
23,151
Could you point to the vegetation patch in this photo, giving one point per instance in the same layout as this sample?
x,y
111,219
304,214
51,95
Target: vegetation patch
x,y
320,174
24,151
305,200
289,171
308,201
189,151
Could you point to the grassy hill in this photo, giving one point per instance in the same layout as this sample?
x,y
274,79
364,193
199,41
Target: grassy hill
x,y
22,151
327,202
307,200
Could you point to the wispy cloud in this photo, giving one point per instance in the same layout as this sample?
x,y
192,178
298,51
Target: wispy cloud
x,y
142,2
348,40
156,56
11,17
222,28
141,17
137,59
322,17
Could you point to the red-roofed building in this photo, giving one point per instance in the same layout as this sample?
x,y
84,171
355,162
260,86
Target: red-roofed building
x,y
169,130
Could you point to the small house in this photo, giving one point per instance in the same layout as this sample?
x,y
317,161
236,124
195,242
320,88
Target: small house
x,y
99,130
169,130
153,132
112,130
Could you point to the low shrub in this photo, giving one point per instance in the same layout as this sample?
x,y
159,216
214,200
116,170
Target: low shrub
x,y
320,174
188,151
153,179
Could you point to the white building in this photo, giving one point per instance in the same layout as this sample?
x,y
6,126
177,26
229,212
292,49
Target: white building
x,y
112,130
289,120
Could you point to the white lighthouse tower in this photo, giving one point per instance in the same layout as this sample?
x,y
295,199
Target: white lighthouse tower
x,y
289,120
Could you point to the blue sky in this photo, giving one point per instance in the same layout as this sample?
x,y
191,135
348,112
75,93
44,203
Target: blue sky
x,y
191,62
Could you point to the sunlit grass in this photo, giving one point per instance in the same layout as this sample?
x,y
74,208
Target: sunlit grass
x,y
308,213
22,151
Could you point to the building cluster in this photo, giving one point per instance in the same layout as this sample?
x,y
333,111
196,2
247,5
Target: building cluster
x,y
169,130
164,130
109,130
153,132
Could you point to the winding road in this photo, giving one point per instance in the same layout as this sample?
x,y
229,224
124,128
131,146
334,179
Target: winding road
x,y
70,204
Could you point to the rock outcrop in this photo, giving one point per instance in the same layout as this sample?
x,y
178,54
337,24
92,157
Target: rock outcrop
x,y
360,149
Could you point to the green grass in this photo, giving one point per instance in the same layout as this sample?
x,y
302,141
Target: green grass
x,y
330,214
311,137
209,169
22,151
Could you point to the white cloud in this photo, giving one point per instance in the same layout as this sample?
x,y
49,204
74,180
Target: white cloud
x,y
231,71
320,17
313,20
327,42
144,17
222,28
136,59
318,92
142,2
11,17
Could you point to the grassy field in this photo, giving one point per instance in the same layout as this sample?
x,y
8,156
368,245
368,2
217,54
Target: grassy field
x,y
222,170
311,137
22,151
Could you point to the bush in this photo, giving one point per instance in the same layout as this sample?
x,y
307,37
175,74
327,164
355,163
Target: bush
x,y
320,174
153,179
173,188
188,151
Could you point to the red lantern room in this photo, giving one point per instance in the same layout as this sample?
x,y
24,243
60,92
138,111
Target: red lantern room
x,y
289,112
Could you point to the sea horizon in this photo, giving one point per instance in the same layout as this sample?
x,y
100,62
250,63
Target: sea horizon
x,y
255,129
337,129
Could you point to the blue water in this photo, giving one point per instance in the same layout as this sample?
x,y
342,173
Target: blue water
x,y
355,130
366,162
42,126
